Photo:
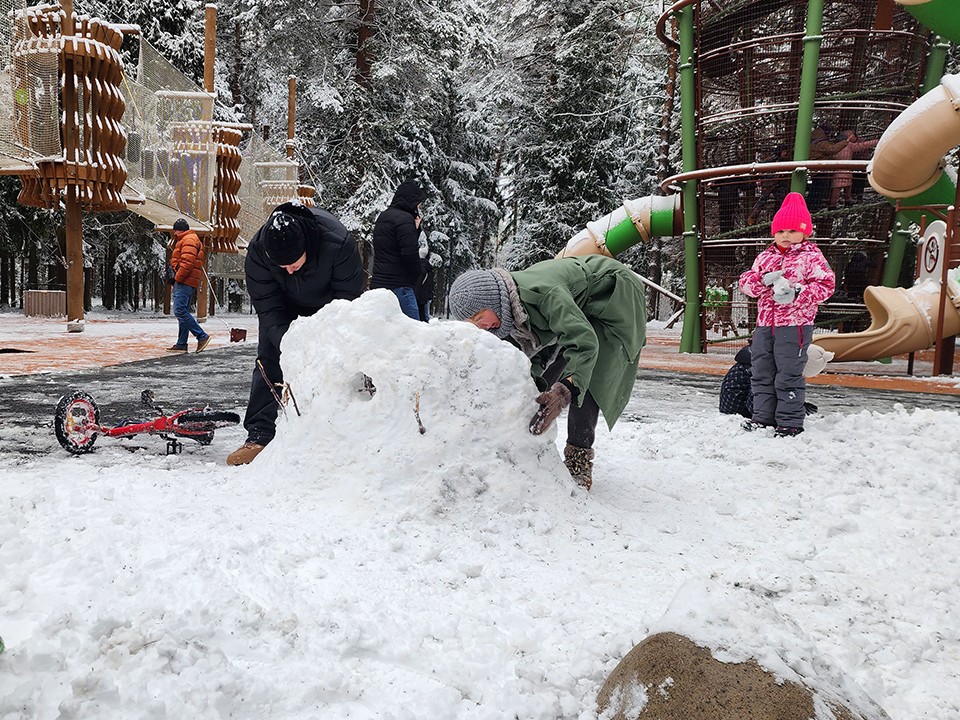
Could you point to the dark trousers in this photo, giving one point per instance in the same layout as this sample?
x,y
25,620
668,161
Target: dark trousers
x,y
261,418
778,356
581,419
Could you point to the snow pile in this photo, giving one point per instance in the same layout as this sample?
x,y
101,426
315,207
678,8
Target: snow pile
x,y
360,569
472,393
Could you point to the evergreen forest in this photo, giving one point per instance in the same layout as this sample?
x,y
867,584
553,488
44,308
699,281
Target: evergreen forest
x,y
523,120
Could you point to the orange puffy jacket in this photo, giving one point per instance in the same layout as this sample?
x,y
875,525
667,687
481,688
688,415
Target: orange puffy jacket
x,y
187,258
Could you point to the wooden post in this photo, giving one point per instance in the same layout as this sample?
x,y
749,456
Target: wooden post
x,y
209,47
71,149
209,55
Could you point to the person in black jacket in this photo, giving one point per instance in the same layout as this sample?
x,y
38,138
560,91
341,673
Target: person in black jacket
x,y
736,394
396,256
736,397
300,260
424,287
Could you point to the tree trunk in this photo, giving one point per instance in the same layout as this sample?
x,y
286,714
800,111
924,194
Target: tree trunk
x,y
58,268
365,30
33,267
4,278
89,280
109,277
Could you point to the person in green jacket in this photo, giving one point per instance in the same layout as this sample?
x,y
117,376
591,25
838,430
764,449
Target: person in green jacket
x,y
582,323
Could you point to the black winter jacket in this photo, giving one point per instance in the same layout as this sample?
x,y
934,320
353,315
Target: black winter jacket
x,y
332,271
736,396
396,252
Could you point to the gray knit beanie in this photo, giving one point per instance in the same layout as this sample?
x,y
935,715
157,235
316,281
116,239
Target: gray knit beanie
x,y
472,292
478,290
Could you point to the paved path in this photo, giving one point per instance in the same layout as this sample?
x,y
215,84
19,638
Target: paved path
x,y
221,378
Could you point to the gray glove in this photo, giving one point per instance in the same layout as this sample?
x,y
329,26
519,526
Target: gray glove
x,y
771,277
783,292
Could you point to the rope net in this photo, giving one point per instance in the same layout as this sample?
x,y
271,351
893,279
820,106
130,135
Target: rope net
x,y
749,67
30,78
171,155
268,178
147,141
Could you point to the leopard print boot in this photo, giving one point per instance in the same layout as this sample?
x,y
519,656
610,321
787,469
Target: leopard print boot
x,y
579,462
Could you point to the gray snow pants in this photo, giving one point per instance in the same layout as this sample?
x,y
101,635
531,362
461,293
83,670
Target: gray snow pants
x,y
778,356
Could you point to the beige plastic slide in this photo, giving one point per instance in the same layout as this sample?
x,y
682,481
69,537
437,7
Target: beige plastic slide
x,y
909,158
908,161
902,321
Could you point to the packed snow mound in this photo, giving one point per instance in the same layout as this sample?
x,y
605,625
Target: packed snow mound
x,y
472,392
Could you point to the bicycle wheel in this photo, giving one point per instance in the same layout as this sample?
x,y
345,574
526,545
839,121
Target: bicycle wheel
x,y
204,421
76,422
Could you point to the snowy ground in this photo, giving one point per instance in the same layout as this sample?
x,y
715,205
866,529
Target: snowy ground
x,y
361,569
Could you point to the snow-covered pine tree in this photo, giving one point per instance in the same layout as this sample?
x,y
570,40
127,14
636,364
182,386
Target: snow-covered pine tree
x,y
174,27
574,122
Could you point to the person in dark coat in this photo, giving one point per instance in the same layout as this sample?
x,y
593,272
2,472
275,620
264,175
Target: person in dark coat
x,y
396,250
736,394
856,276
300,260
424,291
736,397
424,287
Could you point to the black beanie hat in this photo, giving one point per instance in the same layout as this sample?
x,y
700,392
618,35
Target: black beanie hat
x,y
283,238
181,225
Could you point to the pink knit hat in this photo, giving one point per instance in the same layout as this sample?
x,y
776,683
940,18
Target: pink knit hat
x,y
793,215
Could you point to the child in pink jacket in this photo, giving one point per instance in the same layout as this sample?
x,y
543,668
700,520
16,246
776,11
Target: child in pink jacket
x,y
789,279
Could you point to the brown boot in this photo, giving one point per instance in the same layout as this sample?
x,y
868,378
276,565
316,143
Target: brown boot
x,y
244,454
579,462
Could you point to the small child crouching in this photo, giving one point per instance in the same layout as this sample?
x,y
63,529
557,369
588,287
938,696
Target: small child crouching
x,y
789,280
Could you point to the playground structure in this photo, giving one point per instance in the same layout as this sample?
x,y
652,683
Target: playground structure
x,y
77,130
634,222
772,93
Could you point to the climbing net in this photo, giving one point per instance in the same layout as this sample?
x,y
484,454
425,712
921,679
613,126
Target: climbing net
x,y
147,139
30,78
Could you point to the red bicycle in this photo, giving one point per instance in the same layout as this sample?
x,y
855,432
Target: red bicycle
x,y
77,424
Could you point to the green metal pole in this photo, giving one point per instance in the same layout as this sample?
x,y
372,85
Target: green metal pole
x,y
690,338
808,92
899,239
936,62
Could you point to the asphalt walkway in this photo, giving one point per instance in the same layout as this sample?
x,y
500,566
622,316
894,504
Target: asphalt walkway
x,y
220,378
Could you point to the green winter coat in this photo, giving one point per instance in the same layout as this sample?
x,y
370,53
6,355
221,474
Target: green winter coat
x,y
592,307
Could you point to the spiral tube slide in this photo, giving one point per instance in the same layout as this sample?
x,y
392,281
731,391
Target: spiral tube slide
x,y
634,222
903,320
941,16
909,164
909,159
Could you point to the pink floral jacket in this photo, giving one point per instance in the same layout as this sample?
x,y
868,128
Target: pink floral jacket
x,y
805,267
